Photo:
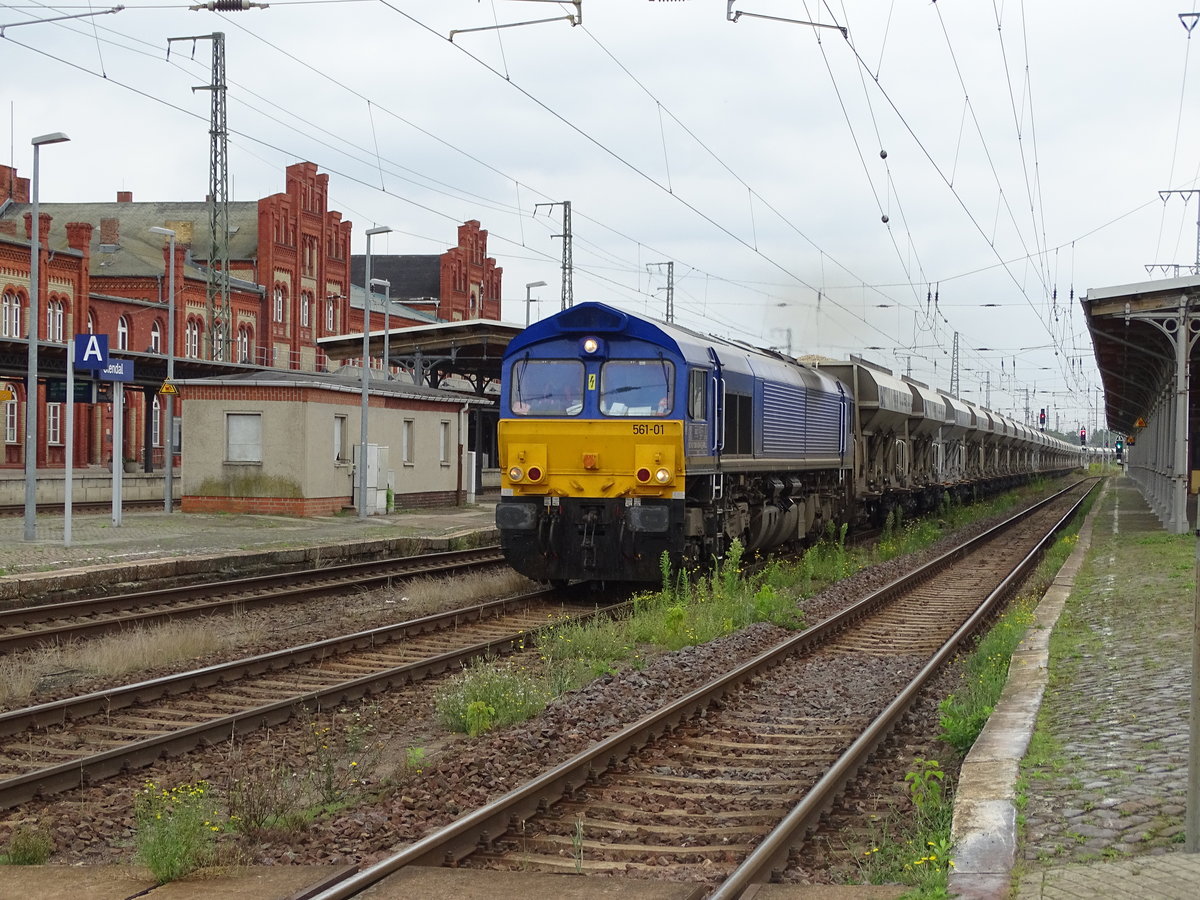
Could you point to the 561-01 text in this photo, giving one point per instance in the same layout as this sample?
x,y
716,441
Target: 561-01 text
x,y
643,428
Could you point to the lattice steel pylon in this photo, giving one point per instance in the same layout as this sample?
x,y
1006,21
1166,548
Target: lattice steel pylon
x,y
670,310
218,198
568,264
954,368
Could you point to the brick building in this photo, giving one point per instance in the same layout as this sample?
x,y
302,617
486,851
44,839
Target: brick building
x,y
103,271
461,283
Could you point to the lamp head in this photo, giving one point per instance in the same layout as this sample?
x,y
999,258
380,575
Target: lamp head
x,y
56,137
534,284
166,232
380,229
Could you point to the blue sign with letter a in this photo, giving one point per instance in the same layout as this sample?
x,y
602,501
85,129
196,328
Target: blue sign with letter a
x,y
91,351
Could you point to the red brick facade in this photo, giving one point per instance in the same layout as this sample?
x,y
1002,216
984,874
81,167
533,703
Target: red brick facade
x,y
470,279
304,262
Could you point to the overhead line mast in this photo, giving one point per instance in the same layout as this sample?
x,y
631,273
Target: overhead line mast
x,y
568,264
218,197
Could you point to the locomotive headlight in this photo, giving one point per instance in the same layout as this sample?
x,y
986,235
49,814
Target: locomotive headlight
x,y
590,346
663,475
516,473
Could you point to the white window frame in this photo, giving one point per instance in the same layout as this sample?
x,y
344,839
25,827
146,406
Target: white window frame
x,y
156,423
305,302
122,333
155,337
54,320
192,339
329,317
277,306
243,345
243,437
340,454
10,416
407,439
10,319
54,424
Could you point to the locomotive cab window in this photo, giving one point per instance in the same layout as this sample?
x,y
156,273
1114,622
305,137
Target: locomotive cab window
x,y
637,387
547,387
698,393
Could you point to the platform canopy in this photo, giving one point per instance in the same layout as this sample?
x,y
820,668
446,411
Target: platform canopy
x,y
1132,329
470,349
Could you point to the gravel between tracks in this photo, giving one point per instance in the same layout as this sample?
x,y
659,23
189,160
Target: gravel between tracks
x,y
95,825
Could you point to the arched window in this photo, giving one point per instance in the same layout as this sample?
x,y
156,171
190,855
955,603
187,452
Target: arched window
x,y
191,339
329,315
219,341
91,323
123,333
10,320
55,317
243,344
277,308
305,303
156,424
155,337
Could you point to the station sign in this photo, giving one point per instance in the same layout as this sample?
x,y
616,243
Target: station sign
x,y
118,370
91,351
86,391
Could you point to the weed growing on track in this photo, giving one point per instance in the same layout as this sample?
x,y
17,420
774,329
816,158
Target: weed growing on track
x,y
28,846
490,694
342,752
177,828
922,860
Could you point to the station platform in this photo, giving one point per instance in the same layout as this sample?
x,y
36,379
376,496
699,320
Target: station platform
x,y
159,546
1102,817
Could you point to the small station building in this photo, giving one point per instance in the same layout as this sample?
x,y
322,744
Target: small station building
x,y
288,443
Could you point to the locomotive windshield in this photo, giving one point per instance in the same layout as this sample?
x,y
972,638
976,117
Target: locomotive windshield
x,y
637,387
547,387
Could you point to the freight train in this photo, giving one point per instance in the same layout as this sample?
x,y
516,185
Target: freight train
x,y
622,438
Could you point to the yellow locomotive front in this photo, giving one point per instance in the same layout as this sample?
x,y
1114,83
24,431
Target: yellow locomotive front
x,y
592,463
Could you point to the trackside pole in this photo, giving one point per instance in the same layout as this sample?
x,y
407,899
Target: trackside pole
x,y
70,442
118,448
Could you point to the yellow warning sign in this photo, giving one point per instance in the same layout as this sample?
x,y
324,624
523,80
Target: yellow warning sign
x,y
167,388
6,396
1140,423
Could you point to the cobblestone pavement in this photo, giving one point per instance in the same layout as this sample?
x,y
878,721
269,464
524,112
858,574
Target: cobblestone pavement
x,y
1112,742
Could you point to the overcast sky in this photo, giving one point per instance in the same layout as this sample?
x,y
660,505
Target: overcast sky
x,y
813,190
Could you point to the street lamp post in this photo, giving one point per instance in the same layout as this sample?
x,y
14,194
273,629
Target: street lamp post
x,y
531,284
169,441
366,374
387,306
31,394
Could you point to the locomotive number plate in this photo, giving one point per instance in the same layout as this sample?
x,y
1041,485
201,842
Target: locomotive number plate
x,y
642,428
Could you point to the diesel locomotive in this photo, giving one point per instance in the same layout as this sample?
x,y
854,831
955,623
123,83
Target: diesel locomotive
x,y
621,438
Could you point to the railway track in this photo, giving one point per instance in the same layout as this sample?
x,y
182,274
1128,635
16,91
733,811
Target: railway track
x,y
52,623
718,785
62,745
87,507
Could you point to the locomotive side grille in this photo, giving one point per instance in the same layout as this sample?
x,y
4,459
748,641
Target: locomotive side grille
x,y
784,428
823,434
